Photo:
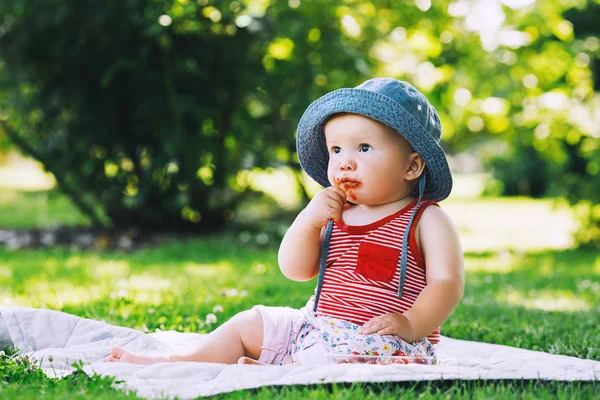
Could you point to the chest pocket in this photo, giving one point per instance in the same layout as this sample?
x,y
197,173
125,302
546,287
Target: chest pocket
x,y
377,262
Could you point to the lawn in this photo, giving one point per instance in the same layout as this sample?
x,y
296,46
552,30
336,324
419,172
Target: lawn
x,y
525,288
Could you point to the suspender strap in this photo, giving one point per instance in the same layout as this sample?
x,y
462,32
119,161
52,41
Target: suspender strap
x,y
323,262
405,236
403,256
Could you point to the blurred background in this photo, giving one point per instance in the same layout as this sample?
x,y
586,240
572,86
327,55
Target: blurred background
x,y
124,121
148,168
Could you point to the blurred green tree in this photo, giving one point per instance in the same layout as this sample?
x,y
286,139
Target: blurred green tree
x,y
580,183
514,82
146,110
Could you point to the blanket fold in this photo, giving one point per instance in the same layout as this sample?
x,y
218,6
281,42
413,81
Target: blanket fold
x,y
68,339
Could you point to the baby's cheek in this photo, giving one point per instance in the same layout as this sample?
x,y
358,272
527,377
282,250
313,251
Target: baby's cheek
x,y
330,176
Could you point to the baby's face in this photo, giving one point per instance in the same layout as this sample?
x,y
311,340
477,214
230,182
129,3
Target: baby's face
x,y
367,159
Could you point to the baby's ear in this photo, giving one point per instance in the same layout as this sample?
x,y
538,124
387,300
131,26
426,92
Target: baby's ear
x,y
416,167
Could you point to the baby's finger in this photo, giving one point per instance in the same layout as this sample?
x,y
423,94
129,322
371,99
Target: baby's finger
x,y
111,359
367,330
334,213
338,194
338,202
367,327
386,331
334,204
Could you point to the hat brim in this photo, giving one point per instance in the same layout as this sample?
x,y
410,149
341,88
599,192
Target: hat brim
x,y
312,150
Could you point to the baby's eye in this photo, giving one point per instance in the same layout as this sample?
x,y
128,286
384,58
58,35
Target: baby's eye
x,y
364,148
336,149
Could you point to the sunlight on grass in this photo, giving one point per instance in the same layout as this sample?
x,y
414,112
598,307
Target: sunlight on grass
x,y
75,262
208,270
18,172
259,268
5,273
146,282
111,270
279,184
45,209
498,262
514,223
468,186
146,290
67,294
546,300
144,297
60,291
54,296
8,300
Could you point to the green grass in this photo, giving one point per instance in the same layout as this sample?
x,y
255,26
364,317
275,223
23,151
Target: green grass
x,y
20,379
536,298
37,209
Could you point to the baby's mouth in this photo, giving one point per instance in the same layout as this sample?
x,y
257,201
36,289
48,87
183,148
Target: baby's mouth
x,y
347,184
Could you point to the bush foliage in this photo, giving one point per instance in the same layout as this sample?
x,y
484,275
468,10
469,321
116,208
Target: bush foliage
x,y
145,110
149,112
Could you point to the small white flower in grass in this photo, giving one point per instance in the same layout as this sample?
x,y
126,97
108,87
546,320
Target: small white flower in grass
x,y
584,284
211,318
230,292
259,268
243,293
218,308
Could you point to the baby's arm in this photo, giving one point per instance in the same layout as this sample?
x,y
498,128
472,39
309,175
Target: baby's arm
x,y
442,252
300,247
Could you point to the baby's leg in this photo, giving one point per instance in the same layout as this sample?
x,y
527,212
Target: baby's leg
x,y
241,336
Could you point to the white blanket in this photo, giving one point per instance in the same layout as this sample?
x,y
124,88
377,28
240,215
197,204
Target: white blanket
x,y
58,340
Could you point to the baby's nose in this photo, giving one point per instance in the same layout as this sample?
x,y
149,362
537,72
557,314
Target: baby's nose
x,y
347,164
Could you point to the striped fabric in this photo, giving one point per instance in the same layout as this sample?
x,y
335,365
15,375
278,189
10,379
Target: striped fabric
x,y
363,265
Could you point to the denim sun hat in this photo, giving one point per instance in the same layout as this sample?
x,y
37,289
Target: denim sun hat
x,y
394,103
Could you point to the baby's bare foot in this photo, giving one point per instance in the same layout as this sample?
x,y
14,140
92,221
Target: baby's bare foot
x,y
249,361
118,354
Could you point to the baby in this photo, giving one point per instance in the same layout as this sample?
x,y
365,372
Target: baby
x,y
388,258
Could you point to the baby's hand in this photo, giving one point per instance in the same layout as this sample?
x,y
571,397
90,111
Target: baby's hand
x,y
118,354
327,205
389,324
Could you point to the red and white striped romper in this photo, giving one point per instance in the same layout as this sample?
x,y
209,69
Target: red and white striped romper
x,y
363,269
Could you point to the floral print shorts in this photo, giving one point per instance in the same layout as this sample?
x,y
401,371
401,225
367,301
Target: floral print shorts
x,y
331,335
